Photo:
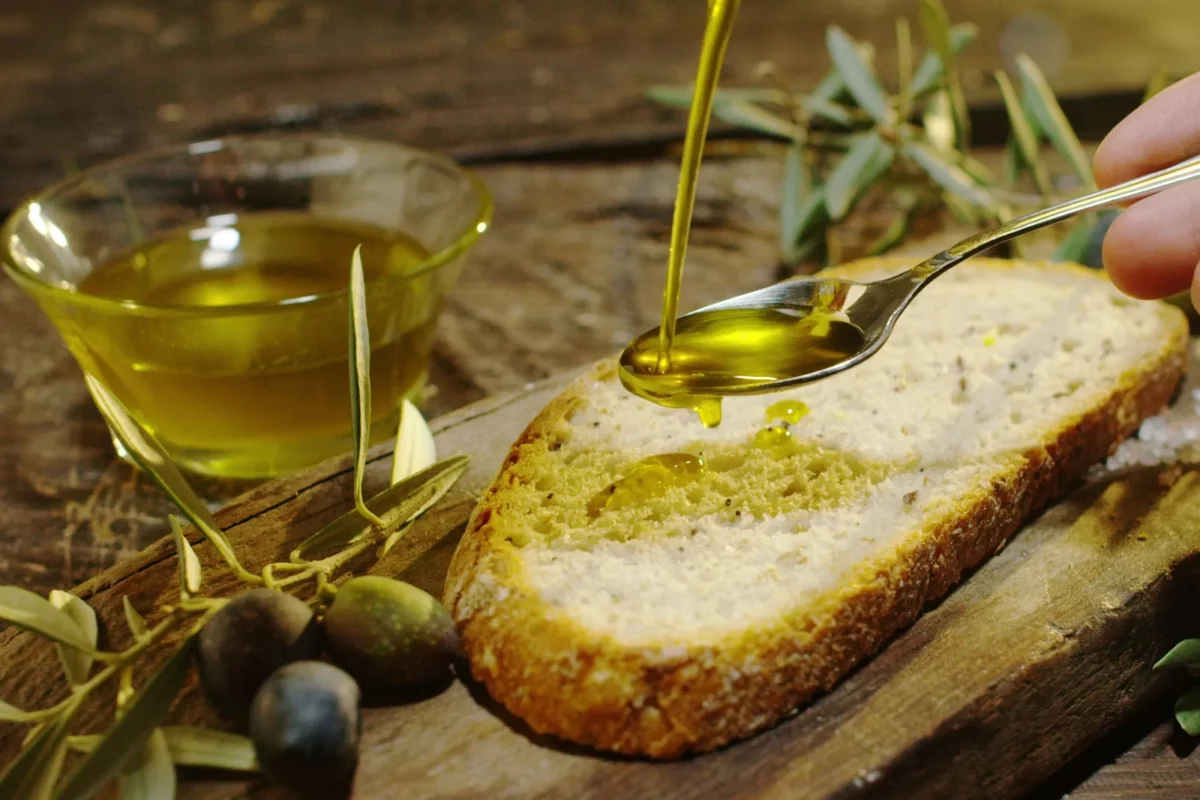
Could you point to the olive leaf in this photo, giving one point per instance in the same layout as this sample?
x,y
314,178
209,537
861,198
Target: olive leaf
x,y
813,247
904,67
415,449
757,118
360,381
811,216
10,713
51,772
189,564
40,761
797,182
1039,100
681,96
964,212
857,74
1093,254
948,175
36,614
935,24
801,204
897,229
395,506
148,455
1014,163
741,106
867,159
938,121
137,625
132,729
1184,654
826,110
201,747
84,743
153,778
930,71
981,173
76,663
1024,138
830,88
1187,711
1074,245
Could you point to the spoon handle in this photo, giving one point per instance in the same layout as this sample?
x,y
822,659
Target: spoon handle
x,y
1130,190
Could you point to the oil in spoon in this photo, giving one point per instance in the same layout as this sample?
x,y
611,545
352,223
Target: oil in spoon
x,y
736,351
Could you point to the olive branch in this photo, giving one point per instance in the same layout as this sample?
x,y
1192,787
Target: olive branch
x,y
137,749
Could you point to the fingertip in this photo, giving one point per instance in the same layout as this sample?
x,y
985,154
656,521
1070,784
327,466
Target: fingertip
x,y
1162,131
1111,160
1119,253
1152,248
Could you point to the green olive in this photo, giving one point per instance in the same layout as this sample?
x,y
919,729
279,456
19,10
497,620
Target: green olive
x,y
389,635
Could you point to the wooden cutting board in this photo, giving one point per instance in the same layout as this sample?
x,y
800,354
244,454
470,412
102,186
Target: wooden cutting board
x,y
1034,656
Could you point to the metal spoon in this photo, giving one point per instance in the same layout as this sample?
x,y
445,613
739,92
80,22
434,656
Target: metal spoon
x,y
874,307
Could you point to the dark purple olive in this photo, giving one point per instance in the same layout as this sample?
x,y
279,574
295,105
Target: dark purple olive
x,y
305,724
255,634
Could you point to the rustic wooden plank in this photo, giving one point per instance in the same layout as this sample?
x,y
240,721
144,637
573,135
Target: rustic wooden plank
x,y
1162,766
1038,653
479,78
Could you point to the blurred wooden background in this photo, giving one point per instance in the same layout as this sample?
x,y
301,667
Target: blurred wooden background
x,y
483,78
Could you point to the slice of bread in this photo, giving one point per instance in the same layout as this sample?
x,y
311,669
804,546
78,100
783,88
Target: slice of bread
x,y
705,608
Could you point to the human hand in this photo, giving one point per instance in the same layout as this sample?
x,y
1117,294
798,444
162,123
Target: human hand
x,y
1152,250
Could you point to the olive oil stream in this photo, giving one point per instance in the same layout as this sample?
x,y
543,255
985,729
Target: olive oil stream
x,y
694,361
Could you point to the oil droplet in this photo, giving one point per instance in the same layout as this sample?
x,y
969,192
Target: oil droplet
x,y
772,436
647,478
790,411
709,411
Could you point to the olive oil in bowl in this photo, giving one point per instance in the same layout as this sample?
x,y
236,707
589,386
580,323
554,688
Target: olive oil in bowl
x,y
206,285
238,358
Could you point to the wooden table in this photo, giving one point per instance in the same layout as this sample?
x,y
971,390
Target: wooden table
x,y
545,99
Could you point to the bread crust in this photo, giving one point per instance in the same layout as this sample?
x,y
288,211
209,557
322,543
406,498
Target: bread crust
x,y
562,680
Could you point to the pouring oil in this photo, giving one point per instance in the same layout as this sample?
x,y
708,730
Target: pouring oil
x,y
692,363
240,366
